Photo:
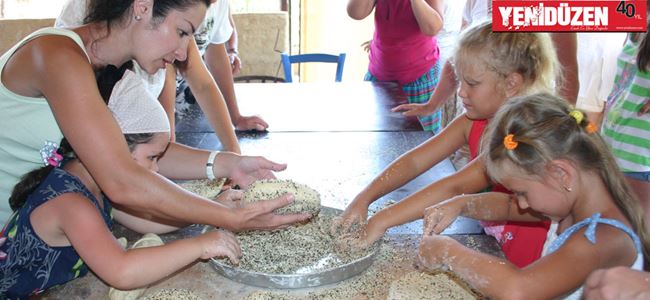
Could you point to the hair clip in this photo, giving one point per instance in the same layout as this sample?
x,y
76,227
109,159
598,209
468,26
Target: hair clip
x,y
578,115
50,155
591,128
509,142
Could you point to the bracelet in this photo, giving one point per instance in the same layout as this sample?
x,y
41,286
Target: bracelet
x,y
233,50
209,171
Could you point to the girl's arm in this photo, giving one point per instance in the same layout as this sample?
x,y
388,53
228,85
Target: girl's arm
x,y
551,276
360,9
86,231
429,15
218,64
144,224
492,206
404,169
470,179
209,97
56,68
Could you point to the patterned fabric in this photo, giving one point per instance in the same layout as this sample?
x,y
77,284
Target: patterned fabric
x,y
627,133
32,125
590,234
31,266
521,242
419,91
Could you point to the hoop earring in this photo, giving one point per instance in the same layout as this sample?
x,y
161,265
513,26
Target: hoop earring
x,y
568,189
138,18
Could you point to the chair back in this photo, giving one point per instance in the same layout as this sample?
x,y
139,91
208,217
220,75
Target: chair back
x,y
258,78
287,60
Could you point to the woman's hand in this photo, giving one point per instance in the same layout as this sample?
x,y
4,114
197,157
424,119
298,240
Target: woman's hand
x,y
260,215
414,109
438,217
244,170
220,243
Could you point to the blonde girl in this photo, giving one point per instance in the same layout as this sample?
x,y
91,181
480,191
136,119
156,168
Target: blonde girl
x,y
558,167
491,67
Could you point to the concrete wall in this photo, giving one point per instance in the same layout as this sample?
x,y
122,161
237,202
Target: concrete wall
x,y
262,37
12,31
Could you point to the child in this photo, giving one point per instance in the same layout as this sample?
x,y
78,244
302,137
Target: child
x,y
404,47
62,222
553,160
626,126
492,67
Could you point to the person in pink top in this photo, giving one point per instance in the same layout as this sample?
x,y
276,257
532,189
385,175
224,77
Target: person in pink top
x,y
404,47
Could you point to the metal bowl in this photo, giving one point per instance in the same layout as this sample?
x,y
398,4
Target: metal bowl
x,y
302,280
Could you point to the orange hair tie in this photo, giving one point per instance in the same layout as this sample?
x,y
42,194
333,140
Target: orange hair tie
x,y
509,142
591,128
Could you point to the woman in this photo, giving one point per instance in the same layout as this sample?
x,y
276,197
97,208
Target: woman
x,y
49,91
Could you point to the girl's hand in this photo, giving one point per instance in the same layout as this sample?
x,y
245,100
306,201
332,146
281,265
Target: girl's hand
x,y
433,253
617,283
359,238
355,215
250,123
219,243
259,215
413,109
438,217
2,254
230,197
248,169
644,109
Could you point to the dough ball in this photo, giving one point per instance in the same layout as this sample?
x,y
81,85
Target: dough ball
x,y
307,200
419,285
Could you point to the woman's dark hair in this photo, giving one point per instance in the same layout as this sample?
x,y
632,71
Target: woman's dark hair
x,y
111,11
107,77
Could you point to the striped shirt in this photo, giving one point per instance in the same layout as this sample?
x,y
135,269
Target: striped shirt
x,y
627,133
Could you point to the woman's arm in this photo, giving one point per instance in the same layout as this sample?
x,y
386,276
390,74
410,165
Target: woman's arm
x,y
429,15
209,97
167,99
56,68
360,9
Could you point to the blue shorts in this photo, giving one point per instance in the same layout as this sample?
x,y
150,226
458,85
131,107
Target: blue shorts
x,y
642,176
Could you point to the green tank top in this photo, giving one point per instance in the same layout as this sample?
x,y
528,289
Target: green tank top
x,y
29,125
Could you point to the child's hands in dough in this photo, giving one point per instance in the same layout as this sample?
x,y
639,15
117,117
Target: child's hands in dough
x,y
219,243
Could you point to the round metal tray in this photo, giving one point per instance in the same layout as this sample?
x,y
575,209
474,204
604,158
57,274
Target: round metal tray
x,y
294,281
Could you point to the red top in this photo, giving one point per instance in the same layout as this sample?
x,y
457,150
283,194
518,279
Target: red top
x,y
399,50
521,242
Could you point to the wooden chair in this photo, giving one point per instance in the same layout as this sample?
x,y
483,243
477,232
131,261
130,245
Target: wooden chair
x,y
287,60
258,78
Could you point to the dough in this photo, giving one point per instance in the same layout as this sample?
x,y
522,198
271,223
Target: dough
x,y
419,285
148,240
307,200
172,294
205,188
